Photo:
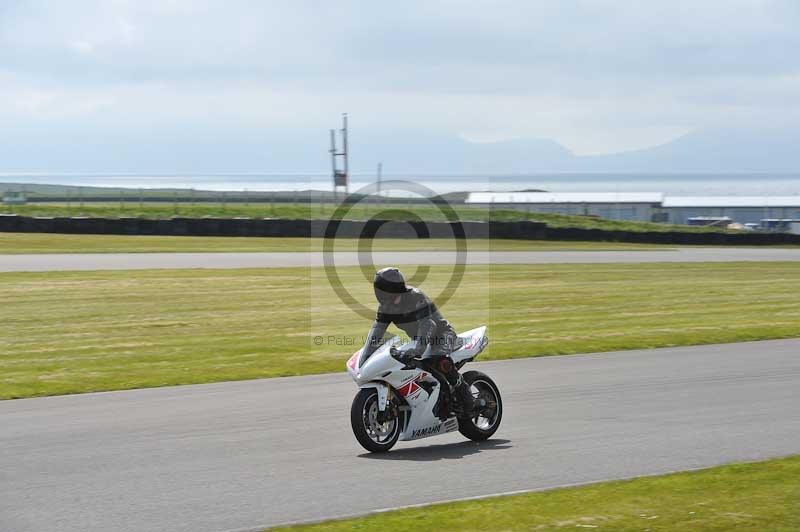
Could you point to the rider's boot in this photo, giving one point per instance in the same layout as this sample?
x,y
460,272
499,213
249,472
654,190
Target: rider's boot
x,y
442,408
464,394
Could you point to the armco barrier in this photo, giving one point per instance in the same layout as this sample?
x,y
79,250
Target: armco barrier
x,y
279,227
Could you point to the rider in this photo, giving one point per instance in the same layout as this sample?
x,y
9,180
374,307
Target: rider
x,y
413,312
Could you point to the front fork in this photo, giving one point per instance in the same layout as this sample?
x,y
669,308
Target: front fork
x,y
384,396
383,413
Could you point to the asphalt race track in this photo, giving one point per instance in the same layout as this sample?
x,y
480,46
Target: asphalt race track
x,y
138,261
243,455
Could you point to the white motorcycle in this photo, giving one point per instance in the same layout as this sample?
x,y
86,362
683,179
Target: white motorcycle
x,y
408,399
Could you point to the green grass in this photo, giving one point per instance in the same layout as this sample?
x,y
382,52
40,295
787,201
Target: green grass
x,y
71,332
318,211
752,497
11,243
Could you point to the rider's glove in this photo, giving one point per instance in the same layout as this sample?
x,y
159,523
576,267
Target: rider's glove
x,y
414,353
404,356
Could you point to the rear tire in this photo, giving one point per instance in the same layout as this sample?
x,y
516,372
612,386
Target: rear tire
x,y
374,437
487,421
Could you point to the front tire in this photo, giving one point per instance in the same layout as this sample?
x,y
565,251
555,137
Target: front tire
x,y
486,422
374,436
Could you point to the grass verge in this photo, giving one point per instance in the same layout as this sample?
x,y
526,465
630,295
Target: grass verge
x,y
16,243
752,497
72,332
317,211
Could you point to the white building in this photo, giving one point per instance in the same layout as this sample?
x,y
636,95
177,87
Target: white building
x,y
742,209
611,205
643,206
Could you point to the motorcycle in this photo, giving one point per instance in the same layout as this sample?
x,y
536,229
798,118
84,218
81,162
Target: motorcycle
x,y
402,398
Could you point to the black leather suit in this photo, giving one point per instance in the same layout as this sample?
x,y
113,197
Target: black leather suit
x,y
417,316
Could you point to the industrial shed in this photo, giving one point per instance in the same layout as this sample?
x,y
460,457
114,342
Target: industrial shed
x,y
741,209
642,206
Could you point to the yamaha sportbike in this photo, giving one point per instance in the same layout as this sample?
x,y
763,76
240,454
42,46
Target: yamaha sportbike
x,y
408,399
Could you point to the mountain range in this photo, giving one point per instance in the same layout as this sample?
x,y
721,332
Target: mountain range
x,y
236,150
710,150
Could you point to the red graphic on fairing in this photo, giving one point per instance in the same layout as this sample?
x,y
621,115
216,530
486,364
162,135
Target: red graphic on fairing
x,y
353,360
472,342
411,387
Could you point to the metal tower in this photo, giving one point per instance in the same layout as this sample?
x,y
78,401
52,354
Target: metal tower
x,y
340,177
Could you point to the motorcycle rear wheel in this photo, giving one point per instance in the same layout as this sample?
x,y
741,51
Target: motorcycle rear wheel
x,y
486,422
373,436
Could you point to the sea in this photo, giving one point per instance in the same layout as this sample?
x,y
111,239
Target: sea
x,y
738,184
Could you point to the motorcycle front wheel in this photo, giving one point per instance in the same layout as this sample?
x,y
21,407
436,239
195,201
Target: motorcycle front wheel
x,y
486,421
374,435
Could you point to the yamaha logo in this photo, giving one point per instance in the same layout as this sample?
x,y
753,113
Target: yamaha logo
x,y
419,433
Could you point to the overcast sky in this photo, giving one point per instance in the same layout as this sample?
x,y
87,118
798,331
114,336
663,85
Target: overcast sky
x,y
597,76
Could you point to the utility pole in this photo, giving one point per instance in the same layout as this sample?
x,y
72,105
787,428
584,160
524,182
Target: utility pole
x,y
340,177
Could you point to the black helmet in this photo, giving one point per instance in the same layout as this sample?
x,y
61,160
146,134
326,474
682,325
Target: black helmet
x,y
388,283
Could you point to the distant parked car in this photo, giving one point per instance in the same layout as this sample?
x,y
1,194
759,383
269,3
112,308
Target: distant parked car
x,y
739,227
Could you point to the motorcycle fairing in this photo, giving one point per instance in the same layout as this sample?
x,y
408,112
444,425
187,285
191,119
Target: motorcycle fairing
x,y
473,342
384,373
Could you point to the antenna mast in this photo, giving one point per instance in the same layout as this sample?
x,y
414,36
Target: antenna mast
x,y
340,177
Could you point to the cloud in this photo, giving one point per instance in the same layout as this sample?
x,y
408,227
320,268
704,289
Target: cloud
x,y
598,76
